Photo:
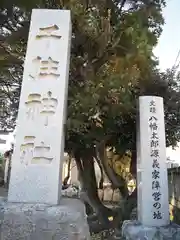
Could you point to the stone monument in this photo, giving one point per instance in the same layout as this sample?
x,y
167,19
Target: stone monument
x,y
152,183
35,209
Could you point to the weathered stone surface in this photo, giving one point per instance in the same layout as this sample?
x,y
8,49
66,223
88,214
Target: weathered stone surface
x,y
43,222
151,163
39,148
134,230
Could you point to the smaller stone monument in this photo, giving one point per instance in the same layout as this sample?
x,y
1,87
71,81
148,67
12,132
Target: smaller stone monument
x,y
153,205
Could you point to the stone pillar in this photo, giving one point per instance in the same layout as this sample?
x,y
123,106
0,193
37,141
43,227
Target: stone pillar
x,y
152,183
35,209
39,146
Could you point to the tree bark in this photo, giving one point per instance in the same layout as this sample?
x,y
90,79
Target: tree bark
x,y
100,184
65,181
89,191
117,181
133,167
89,209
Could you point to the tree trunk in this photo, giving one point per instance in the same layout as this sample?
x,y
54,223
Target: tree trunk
x,y
132,199
100,184
89,209
89,191
133,167
65,181
116,180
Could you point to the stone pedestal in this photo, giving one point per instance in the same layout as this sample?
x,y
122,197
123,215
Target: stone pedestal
x,y
134,230
66,221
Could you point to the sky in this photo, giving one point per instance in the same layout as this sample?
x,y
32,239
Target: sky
x,y
168,47
169,42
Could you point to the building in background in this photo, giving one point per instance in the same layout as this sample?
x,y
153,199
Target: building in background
x,y
6,141
172,163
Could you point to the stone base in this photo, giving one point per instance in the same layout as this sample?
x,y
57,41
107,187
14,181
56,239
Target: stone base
x,y
133,230
66,221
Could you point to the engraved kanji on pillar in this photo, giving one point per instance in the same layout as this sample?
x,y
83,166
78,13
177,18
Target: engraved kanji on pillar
x,y
39,143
